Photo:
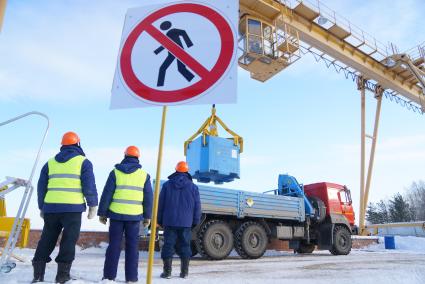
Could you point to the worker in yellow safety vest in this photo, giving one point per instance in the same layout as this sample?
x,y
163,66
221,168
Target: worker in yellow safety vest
x,y
66,183
126,200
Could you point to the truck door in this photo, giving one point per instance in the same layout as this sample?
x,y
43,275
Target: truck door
x,y
346,204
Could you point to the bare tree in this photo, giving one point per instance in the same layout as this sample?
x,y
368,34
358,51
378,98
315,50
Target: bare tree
x,y
415,196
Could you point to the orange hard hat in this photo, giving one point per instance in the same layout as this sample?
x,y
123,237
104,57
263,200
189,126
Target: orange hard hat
x,y
132,151
70,138
182,167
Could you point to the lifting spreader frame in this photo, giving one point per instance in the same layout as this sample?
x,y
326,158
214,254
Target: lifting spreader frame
x,y
209,128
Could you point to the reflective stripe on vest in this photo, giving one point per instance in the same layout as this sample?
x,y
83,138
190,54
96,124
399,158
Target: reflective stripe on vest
x,y
128,195
64,184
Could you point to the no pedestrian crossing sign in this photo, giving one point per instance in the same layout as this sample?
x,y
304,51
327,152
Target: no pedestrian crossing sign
x,y
177,52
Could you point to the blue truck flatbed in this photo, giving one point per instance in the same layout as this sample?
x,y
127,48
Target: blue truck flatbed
x,y
242,204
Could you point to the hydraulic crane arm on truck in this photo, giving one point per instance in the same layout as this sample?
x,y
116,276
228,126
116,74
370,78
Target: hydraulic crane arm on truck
x,y
319,215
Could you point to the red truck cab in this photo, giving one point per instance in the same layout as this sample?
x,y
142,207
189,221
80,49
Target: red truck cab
x,y
337,199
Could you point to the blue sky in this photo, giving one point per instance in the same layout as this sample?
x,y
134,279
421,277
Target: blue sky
x,y
58,57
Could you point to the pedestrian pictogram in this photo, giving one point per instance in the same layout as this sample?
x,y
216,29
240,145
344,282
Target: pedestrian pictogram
x,y
182,53
174,35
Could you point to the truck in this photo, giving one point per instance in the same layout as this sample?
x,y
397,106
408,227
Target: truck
x,y
308,216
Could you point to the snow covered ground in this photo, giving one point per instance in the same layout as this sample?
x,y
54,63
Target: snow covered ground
x,y
374,264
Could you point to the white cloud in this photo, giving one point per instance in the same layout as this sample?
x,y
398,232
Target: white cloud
x,y
398,162
52,54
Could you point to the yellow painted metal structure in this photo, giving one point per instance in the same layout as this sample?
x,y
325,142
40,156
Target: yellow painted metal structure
x,y
2,12
275,33
2,207
367,57
373,229
266,50
6,225
209,127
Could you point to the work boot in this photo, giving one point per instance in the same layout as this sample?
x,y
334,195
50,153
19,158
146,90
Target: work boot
x,y
168,262
39,269
184,268
63,274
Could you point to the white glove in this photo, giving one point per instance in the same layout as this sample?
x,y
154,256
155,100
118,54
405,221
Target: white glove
x,y
92,212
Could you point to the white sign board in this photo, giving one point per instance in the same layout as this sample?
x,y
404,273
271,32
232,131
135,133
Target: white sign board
x,y
175,53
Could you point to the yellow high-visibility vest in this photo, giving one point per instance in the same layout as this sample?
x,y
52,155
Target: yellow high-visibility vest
x,y
64,184
128,195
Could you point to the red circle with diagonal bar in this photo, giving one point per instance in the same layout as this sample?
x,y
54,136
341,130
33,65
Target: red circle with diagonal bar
x,y
208,77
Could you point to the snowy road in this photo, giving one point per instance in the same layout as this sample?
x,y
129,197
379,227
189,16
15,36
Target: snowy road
x,y
372,265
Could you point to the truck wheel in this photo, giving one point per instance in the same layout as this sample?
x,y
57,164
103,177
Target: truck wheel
x,y
215,240
305,248
251,240
341,241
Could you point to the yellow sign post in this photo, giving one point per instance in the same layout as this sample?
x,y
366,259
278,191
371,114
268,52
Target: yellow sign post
x,y
155,200
2,11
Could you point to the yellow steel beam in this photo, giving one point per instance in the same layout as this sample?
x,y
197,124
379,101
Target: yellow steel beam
x,y
2,207
362,89
389,225
322,39
372,151
2,11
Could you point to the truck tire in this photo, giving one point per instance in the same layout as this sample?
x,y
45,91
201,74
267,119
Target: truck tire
x,y
305,248
341,241
319,208
251,240
215,240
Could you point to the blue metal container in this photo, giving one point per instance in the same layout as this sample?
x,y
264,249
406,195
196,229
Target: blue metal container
x,y
389,242
217,161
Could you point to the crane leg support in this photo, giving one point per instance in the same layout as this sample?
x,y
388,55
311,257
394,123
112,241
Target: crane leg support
x,y
366,176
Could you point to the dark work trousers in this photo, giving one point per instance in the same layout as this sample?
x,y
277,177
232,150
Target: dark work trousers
x,y
116,231
70,222
179,235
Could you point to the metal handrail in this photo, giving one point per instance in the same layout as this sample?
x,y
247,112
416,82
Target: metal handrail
x,y
17,225
356,32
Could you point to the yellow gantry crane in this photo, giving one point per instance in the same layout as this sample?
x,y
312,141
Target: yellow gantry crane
x,y
276,33
2,11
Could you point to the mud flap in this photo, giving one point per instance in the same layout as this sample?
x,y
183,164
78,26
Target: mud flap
x,y
325,236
